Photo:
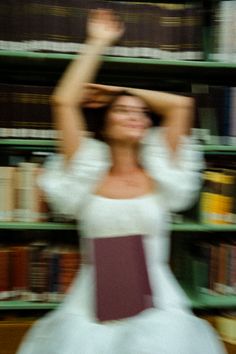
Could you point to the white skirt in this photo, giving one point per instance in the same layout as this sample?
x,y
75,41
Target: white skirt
x,y
153,331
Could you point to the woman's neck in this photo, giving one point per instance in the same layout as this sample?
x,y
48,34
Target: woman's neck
x,y
125,158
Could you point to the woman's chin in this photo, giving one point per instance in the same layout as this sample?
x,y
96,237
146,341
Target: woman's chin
x,y
134,137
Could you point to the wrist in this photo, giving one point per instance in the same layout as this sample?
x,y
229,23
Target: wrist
x,y
100,42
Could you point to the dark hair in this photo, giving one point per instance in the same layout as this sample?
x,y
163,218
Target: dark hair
x,y
96,117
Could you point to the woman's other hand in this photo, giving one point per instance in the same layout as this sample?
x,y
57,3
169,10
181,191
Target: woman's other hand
x,y
104,26
96,95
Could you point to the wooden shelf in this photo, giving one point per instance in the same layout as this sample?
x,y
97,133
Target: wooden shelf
x,y
27,142
27,305
199,301
126,60
194,226
205,301
180,227
123,68
36,226
50,143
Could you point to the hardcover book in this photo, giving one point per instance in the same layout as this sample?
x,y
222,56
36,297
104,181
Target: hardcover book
x,y
122,284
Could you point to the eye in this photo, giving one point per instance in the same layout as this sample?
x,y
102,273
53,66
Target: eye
x,y
120,110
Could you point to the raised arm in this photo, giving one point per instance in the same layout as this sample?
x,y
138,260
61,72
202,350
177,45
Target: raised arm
x,y
103,29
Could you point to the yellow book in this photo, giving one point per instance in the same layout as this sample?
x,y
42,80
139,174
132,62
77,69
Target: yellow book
x,y
226,326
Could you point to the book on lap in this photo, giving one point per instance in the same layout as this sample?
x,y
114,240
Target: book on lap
x,y
121,277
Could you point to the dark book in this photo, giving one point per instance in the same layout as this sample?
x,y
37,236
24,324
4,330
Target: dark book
x,y
53,269
38,271
220,96
171,17
191,31
5,109
199,273
4,272
231,269
207,122
69,264
232,114
30,111
19,257
122,283
5,18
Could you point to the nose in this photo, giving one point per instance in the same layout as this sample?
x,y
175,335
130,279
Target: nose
x,y
136,115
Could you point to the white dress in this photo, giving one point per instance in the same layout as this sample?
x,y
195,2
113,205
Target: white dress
x,y
168,328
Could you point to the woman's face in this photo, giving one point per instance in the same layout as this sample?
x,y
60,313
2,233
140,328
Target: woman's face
x,y
127,119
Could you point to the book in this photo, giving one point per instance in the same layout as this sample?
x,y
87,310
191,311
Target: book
x,y
4,274
19,270
198,272
7,198
68,265
232,114
5,109
38,271
223,36
226,326
30,111
122,284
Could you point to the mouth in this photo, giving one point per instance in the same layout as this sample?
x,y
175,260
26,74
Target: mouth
x,y
135,126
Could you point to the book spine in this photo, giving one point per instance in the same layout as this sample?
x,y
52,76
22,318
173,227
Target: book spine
x,y
7,193
38,272
192,34
170,26
214,266
232,268
69,262
226,327
4,273
5,110
19,267
232,114
53,273
31,204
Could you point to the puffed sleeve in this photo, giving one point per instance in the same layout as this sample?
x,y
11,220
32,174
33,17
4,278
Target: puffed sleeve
x,y
67,187
178,179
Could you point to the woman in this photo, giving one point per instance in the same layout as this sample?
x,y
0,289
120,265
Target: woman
x,y
126,185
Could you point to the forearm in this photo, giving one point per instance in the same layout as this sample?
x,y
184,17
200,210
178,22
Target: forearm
x,y
162,102
83,69
177,113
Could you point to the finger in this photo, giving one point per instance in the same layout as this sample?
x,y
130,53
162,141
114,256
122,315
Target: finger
x,y
94,104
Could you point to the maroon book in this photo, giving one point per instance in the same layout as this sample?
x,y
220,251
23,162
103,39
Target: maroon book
x,y
122,283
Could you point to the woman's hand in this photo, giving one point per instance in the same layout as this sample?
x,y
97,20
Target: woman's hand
x,y
96,96
104,26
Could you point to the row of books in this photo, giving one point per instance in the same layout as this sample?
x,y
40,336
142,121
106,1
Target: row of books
x,y
37,271
25,113
218,197
21,199
20,196
224,31
215,114
212,267
158,30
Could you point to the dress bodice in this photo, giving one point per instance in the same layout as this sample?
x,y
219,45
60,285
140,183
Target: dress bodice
x,y
145,215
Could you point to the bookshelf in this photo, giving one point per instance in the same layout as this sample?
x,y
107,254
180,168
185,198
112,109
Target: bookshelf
x,y
121,71
204,71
